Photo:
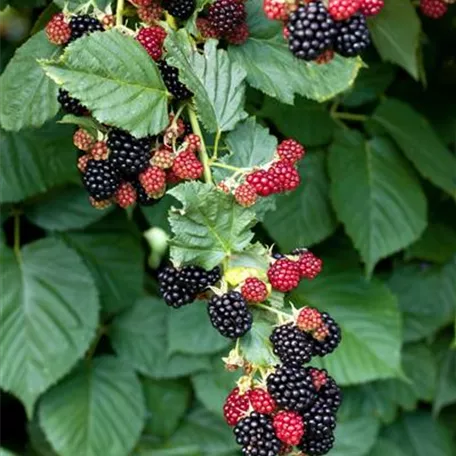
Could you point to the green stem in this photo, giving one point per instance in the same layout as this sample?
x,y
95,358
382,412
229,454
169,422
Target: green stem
x,y
271,309
17,234
216,145
203,152
224,166
349,116
119,12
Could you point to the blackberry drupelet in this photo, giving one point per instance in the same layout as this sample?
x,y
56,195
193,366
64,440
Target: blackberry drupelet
x,y
292,388
129,155
314,446
83,25
331,341
182,9
171,289
230,315
331,394
69,104
170,77
320,419
101,179
291,345
225,16
255,433
352,37
141,195
197,279
311,31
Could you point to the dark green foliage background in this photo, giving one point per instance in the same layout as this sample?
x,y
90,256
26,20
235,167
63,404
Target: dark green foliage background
x,y
377,203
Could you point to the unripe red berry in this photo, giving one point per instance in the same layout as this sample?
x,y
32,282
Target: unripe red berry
x,y
284,275
309,265
371,7
125,195
290,151
319,377
153,180
187,166
245,195
341,10
83,140
163,158
264,182
58,31
262,401
254,290
286,175
99,150
152,38
309,319
434,9
236,405
289,427
82,162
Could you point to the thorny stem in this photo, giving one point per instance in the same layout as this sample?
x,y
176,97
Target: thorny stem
x,y
119,12
203,152
349,116
216,145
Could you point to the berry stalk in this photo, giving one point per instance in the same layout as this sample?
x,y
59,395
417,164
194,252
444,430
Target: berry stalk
x,y
119,12
203,152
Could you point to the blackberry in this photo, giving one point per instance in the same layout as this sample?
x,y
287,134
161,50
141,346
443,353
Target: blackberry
x,y
225,16
230,315
255,433
311,31
331,394
182,9
170,77
141,195
172,291
291,345
129,155
69,104
292,388
197,279
101,179
352,37
83,25
314,446
331,341
320,419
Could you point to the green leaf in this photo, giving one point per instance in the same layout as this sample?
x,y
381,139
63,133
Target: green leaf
x,y
5,452
28,98
212,387
307,121
49,316
375,195
216,82
308,206
419,142
140,337
210,226
272,68
417,434
446,383
112,251
99,409
113,76
384,446
65,209
190,332
370,84
396,34
210,433
437,244
88,123
36,160
427,297
166,403
371,326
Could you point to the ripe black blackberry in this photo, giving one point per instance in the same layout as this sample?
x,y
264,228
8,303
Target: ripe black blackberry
x,y
320,419
69,104
230,315
352,37
197,280
292,388
141,195
101,179
331,341
170,77
83,25
182,9
255,433
331,394
226,15
172,291
291,345
129,155
314,446
311,31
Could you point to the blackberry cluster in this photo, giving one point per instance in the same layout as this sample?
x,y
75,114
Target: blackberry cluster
x,y
352,37
182,286
182,9
314,446
170,77
101,179
84,25
293,346
255,433
70,105
129,155
320,419
225,16
331,341
312,32
141,195
230,315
